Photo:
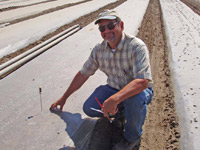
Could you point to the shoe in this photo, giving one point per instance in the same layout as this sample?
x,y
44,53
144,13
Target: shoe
x,y
119,119
126,145
117,126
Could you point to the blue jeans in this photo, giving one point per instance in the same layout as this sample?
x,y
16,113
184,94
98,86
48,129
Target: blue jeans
x,y
135,109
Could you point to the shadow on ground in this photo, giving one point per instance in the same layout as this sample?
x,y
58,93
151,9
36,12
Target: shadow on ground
x,y
89,134
78,129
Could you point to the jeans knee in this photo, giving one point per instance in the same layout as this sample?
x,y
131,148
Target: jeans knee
x,y
86,110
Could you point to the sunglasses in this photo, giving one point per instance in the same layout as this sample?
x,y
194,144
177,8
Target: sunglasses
x,y
110,26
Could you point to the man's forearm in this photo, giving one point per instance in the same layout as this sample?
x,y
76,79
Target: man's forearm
x,y
76,83
134,87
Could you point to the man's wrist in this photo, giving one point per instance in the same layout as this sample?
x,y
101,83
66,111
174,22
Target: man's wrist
x,y
116,99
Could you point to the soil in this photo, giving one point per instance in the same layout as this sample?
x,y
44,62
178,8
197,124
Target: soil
x,y
193,4
161,127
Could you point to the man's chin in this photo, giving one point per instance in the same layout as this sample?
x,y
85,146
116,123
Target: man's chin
x,y
110,39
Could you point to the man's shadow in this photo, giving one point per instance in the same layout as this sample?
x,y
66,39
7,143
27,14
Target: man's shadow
x,y
78,129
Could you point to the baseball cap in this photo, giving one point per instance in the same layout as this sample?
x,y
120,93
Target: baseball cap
x,y
107,14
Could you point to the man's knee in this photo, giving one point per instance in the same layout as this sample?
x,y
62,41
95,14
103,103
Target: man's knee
x,y
140,100
87,110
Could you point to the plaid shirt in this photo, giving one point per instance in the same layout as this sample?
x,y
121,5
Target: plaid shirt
x,y
128,62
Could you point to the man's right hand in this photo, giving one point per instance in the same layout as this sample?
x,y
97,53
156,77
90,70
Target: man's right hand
x,y
60,102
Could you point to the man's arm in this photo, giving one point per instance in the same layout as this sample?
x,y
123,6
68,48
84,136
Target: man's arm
x,y
134,87
76,83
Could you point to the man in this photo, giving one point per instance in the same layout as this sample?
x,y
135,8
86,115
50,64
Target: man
x,y
125,61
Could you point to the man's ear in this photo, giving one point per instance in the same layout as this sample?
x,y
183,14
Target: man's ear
x,y
122,25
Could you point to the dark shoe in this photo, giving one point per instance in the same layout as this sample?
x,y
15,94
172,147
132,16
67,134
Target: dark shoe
x,y
119,118
126,145
118,126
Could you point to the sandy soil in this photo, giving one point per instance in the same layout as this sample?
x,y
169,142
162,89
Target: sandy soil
x,y
161,127
193,4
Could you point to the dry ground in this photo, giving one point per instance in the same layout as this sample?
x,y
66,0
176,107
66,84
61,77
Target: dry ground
x,y
193,4
161,127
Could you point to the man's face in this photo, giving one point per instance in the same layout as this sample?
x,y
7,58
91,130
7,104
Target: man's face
x,y
110,29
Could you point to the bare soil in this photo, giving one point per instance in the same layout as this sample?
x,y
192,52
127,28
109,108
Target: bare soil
x,y
193,4
161,127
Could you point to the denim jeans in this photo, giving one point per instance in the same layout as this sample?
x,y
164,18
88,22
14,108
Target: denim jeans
x,y
135,109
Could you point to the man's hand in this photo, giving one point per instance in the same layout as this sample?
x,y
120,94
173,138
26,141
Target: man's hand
x,y
60,102
110,107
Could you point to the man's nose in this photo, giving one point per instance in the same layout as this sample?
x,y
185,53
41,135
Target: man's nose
x,y
106,29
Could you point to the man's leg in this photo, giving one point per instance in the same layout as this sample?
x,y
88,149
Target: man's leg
x,y
102,132
135,113
102,93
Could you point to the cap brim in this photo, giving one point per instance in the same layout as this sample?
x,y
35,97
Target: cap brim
x,y
105,17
